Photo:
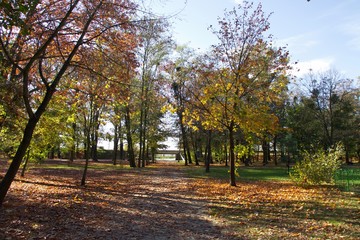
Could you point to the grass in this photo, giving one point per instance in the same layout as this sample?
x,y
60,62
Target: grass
x,y
267,205
243,173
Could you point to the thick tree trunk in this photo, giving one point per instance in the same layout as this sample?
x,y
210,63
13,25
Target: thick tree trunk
x,y
19,155
34,117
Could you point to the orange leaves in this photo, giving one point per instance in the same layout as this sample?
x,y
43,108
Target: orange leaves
x,y
281,209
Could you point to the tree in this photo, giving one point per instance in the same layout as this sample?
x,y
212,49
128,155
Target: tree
x,y
241,76
325,113
153,50
181,72
40,51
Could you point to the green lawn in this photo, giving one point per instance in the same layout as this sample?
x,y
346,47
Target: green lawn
x,y
243,173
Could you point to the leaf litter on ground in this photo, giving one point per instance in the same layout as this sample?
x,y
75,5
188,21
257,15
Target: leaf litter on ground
x,y
163,202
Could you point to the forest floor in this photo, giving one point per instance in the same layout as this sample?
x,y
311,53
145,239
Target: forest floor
x,y
162,201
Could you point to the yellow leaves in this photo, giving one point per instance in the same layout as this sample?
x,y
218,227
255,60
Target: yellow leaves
x,y
166,108
77,199
228,86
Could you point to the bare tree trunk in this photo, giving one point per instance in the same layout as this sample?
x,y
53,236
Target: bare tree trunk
x,y
131,154
116,141
25,163
232,155
265,152
208,150
16,162
275,150
87,155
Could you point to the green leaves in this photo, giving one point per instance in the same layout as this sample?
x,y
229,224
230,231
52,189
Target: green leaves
x,y
319,167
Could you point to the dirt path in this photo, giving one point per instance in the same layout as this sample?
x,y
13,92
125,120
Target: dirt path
x,y
151,203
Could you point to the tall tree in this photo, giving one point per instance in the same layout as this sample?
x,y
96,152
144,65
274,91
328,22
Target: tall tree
x,y
154,48
241,77
326,110
41,50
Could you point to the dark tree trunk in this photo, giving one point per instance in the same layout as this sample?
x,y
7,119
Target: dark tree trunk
x,y
275,151
25,163
232,155
116,141
265,152
72,147
34,117
87,156
208,152
226,154
347,157
122,153
188,153
94,126
131,155
19,155
196,148
183,134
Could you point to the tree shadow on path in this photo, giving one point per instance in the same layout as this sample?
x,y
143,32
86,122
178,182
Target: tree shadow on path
x,y
151,203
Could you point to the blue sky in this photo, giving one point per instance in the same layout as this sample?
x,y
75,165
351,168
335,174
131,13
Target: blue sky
x,y
320,34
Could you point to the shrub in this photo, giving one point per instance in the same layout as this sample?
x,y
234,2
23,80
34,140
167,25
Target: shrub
x,y
317,168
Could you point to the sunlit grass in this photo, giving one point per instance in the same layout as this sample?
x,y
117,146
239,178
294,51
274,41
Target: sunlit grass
x,y
243,173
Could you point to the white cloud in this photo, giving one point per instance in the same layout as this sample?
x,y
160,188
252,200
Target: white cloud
x,y
316,65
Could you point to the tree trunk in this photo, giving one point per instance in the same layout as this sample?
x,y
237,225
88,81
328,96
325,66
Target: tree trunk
x,y
208,150
73,141
122,153
347,157
25,163
195,148
19,155
94,126
232,154
275,150
131,155
34,117
183,134
88,140
116,141
188,153
226,154
265,152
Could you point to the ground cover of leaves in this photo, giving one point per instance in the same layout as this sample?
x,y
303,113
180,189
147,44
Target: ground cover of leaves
x,y
162,202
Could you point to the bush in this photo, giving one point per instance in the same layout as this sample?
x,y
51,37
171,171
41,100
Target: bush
x,y
317,168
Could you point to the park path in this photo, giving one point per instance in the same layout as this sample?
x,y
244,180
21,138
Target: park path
x,y
157,202
166,208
